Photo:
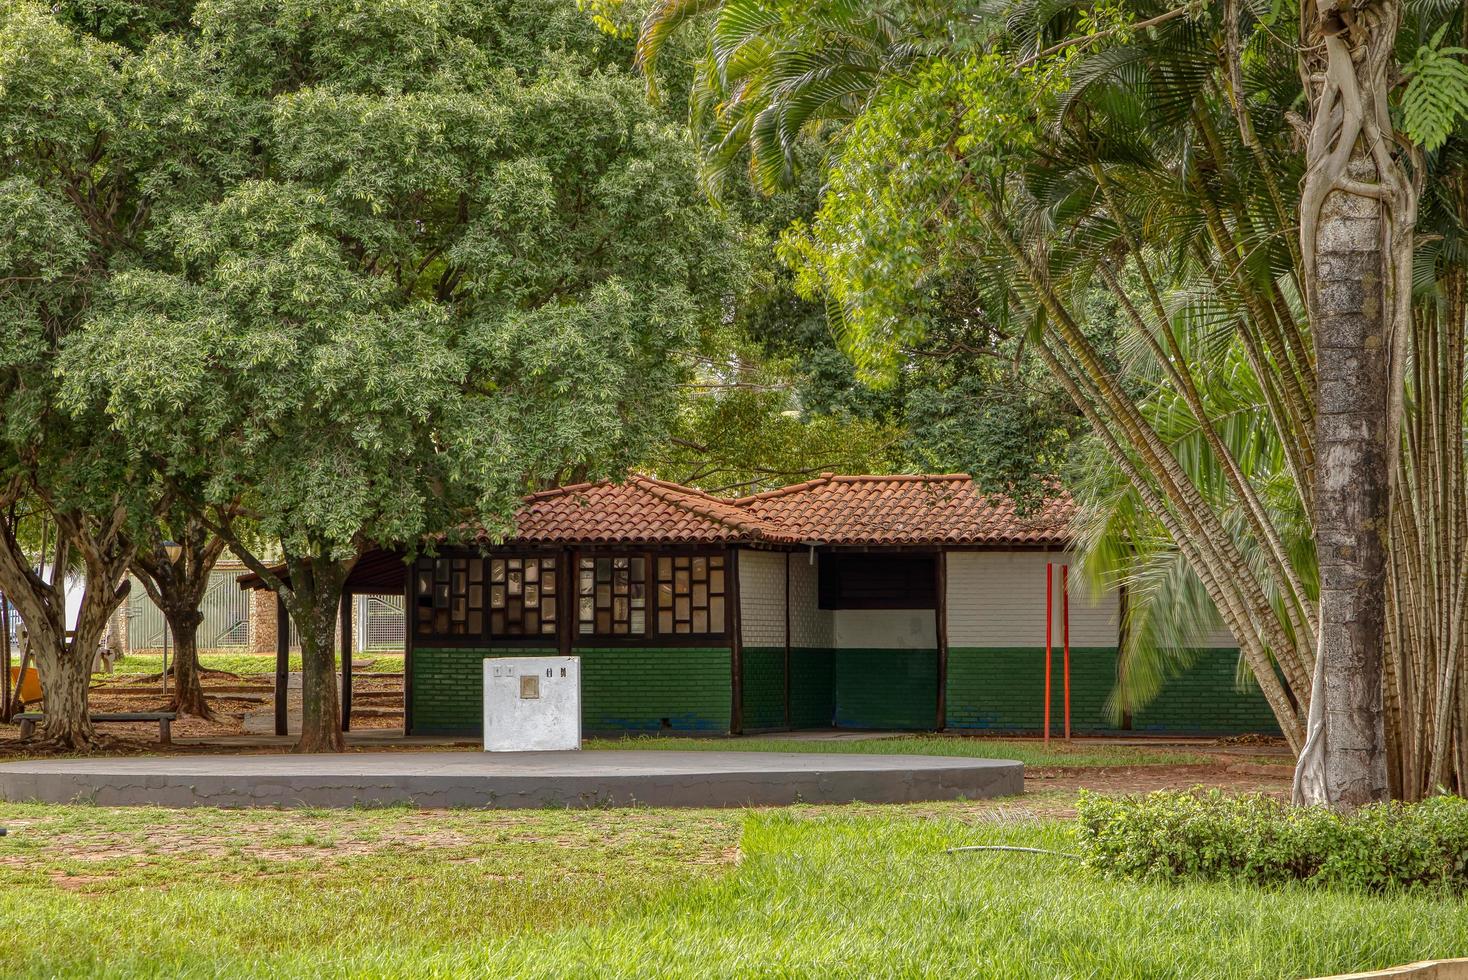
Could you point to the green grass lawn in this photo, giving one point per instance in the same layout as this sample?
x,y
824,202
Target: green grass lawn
x,y
1030,752
247,663
810,891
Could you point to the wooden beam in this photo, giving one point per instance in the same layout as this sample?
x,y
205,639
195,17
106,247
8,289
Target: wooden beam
x,y
282,665
348,602
941,616
734,628
787,641
566,607
410,627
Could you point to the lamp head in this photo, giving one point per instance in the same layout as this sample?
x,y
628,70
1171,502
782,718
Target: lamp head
x,y
172,549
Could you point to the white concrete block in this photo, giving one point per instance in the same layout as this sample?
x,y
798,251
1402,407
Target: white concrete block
x,y
532,704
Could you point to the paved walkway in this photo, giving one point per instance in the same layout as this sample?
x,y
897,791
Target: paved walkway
x,y
509,779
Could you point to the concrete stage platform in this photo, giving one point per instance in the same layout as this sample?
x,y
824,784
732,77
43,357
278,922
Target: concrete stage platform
x,y
509,779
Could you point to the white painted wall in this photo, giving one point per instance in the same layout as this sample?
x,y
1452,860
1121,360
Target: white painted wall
x,y
997,599
886,629
810,625
762,597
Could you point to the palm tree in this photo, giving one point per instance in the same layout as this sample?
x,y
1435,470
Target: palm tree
x,y
1073,151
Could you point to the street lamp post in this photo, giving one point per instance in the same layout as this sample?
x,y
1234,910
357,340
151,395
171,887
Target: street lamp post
x,y
172,549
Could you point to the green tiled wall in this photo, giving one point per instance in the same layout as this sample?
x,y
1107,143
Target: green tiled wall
x,y
1004,689
886,688
623,689
812,688
764,687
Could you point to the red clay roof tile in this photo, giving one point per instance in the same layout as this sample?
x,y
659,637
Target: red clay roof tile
x,y
843,510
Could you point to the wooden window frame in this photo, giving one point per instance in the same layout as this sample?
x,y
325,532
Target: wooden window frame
x,y
486,636
655,635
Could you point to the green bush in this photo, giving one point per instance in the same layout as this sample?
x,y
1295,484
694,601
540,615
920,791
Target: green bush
x,y
1206,835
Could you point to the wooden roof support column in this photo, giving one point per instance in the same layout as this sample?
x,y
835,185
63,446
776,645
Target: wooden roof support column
x,y
941,616
348,604
787,641
410,628
736,643
282,665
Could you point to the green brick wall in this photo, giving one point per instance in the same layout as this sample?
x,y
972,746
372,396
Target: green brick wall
x,y
763,679
1004,689
812,687
623,689
886,688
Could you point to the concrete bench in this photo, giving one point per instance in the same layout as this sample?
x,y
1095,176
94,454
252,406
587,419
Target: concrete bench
x,y
163,718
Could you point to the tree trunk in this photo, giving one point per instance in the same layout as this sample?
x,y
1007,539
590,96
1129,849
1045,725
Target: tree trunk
x,y
315,596
1356,215
65,682
188,691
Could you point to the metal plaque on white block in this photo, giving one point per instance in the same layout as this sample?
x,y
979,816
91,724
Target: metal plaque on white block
x,y
532,704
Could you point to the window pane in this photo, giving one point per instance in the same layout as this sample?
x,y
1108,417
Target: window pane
x,y
603,569
639,569
514,579
588,583
665,621
532,595
476,597
700,568
665,569
496,622
682,628
532,571
716,580
681,582
638,621
476,571
665,595
546,626
604,621
717,561
497,570
681,607
532,621
716,614
700,621
548,608
476,622
700,594
497,596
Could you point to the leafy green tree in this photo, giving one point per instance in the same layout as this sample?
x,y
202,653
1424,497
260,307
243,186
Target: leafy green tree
x,y
1150,152
395,265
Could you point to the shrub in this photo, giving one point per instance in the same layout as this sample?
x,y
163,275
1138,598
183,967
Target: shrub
x,y
1205,835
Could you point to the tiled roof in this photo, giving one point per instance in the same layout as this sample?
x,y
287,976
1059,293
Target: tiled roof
x,y
899,510
640,511
847,510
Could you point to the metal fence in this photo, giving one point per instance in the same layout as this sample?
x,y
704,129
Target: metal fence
x,y
379,623
226,609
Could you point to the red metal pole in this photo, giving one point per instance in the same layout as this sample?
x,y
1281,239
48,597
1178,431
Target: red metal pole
x,y
1049,616
1065,632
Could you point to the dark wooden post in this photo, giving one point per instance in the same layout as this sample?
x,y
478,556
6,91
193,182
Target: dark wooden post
x,y
348,604
282,665
787,641
410,627
566,603
736,644
940,614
